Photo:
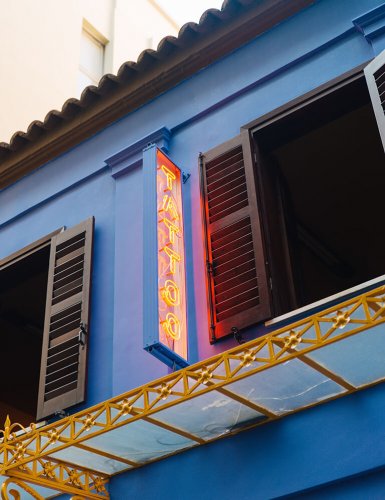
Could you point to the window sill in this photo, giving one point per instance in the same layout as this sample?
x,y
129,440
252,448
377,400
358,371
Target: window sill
x,y
309,309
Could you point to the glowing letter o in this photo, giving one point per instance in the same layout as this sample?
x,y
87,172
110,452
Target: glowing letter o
x,y
171,326
170,293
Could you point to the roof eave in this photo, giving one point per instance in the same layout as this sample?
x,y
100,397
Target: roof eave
x,y
197,46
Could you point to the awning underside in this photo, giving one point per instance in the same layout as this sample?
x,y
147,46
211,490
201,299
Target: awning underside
x,y
333,353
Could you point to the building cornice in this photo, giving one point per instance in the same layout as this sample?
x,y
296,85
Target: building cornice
x,y
155,72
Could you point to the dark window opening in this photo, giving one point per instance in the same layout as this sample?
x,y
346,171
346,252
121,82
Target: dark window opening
x,y
23,289
321,179
44,324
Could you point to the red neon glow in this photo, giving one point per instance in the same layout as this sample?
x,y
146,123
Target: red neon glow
x,y
171,259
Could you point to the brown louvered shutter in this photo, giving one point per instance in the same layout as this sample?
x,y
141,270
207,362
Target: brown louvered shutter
x,y
236,267
64,351
375,79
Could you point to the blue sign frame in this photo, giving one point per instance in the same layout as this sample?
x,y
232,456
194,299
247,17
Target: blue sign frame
x,y
151,341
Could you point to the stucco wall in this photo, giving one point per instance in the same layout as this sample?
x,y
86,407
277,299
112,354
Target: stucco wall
x,y
325,444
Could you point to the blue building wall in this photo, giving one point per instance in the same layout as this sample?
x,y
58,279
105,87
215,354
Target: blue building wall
x,y
332,443
306,450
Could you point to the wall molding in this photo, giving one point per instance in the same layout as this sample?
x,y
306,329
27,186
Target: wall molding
x,y
371,24
132,156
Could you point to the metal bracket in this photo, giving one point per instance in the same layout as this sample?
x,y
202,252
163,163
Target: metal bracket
x,y
61,414
185,177
213,338
82,334
237,335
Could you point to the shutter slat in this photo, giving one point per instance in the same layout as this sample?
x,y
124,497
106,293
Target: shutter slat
x,y
230,194
63,317
59,332
379,76
238,308
63,368
75,261
68,361
230,210
237,285
69,292
235,251
375,79
224,237
62,290
61,354
231,174
230,264
70,301
239,242
62,376
246,266
69,245
62,371
234,281
232,199
225,171
237,299
60,391
59,283
223,161
234,291
64,338
225,185
69,257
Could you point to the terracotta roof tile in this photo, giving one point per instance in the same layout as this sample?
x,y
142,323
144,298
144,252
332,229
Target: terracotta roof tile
x,y
129,78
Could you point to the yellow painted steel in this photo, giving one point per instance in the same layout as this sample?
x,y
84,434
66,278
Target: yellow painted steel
x,y
24,455
15,494
66,478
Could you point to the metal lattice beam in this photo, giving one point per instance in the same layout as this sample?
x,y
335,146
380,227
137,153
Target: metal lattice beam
x,y
295,341
9,485
63,477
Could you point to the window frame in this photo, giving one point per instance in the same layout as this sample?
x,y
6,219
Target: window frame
x,y
251,129
363,71
305,99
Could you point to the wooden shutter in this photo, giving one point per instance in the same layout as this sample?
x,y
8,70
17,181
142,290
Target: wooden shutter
x,y
236,265
64,352
375,78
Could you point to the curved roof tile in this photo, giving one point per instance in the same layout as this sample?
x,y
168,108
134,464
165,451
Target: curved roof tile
x,y
190,34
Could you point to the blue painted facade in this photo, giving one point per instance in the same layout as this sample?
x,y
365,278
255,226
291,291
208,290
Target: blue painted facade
x,y
335,450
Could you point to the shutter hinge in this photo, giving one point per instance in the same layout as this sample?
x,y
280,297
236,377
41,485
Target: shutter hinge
x,y
209,267
82,334
271,284
213,338
61,414
237,335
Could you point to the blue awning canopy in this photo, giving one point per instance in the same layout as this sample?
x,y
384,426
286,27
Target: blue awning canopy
x,y
335,352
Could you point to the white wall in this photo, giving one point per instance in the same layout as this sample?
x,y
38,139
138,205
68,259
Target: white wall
x,y
39,50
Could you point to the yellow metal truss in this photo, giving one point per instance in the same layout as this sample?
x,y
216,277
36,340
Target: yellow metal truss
x,y
51,473
27,456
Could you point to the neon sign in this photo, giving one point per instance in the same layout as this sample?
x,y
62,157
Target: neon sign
x,y
171,262
164,256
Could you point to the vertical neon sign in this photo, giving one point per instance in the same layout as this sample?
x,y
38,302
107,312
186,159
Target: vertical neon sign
x,y
171,258
165,318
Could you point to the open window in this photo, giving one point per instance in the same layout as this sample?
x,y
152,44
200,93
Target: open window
x,y
318,172
321,168
44,304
